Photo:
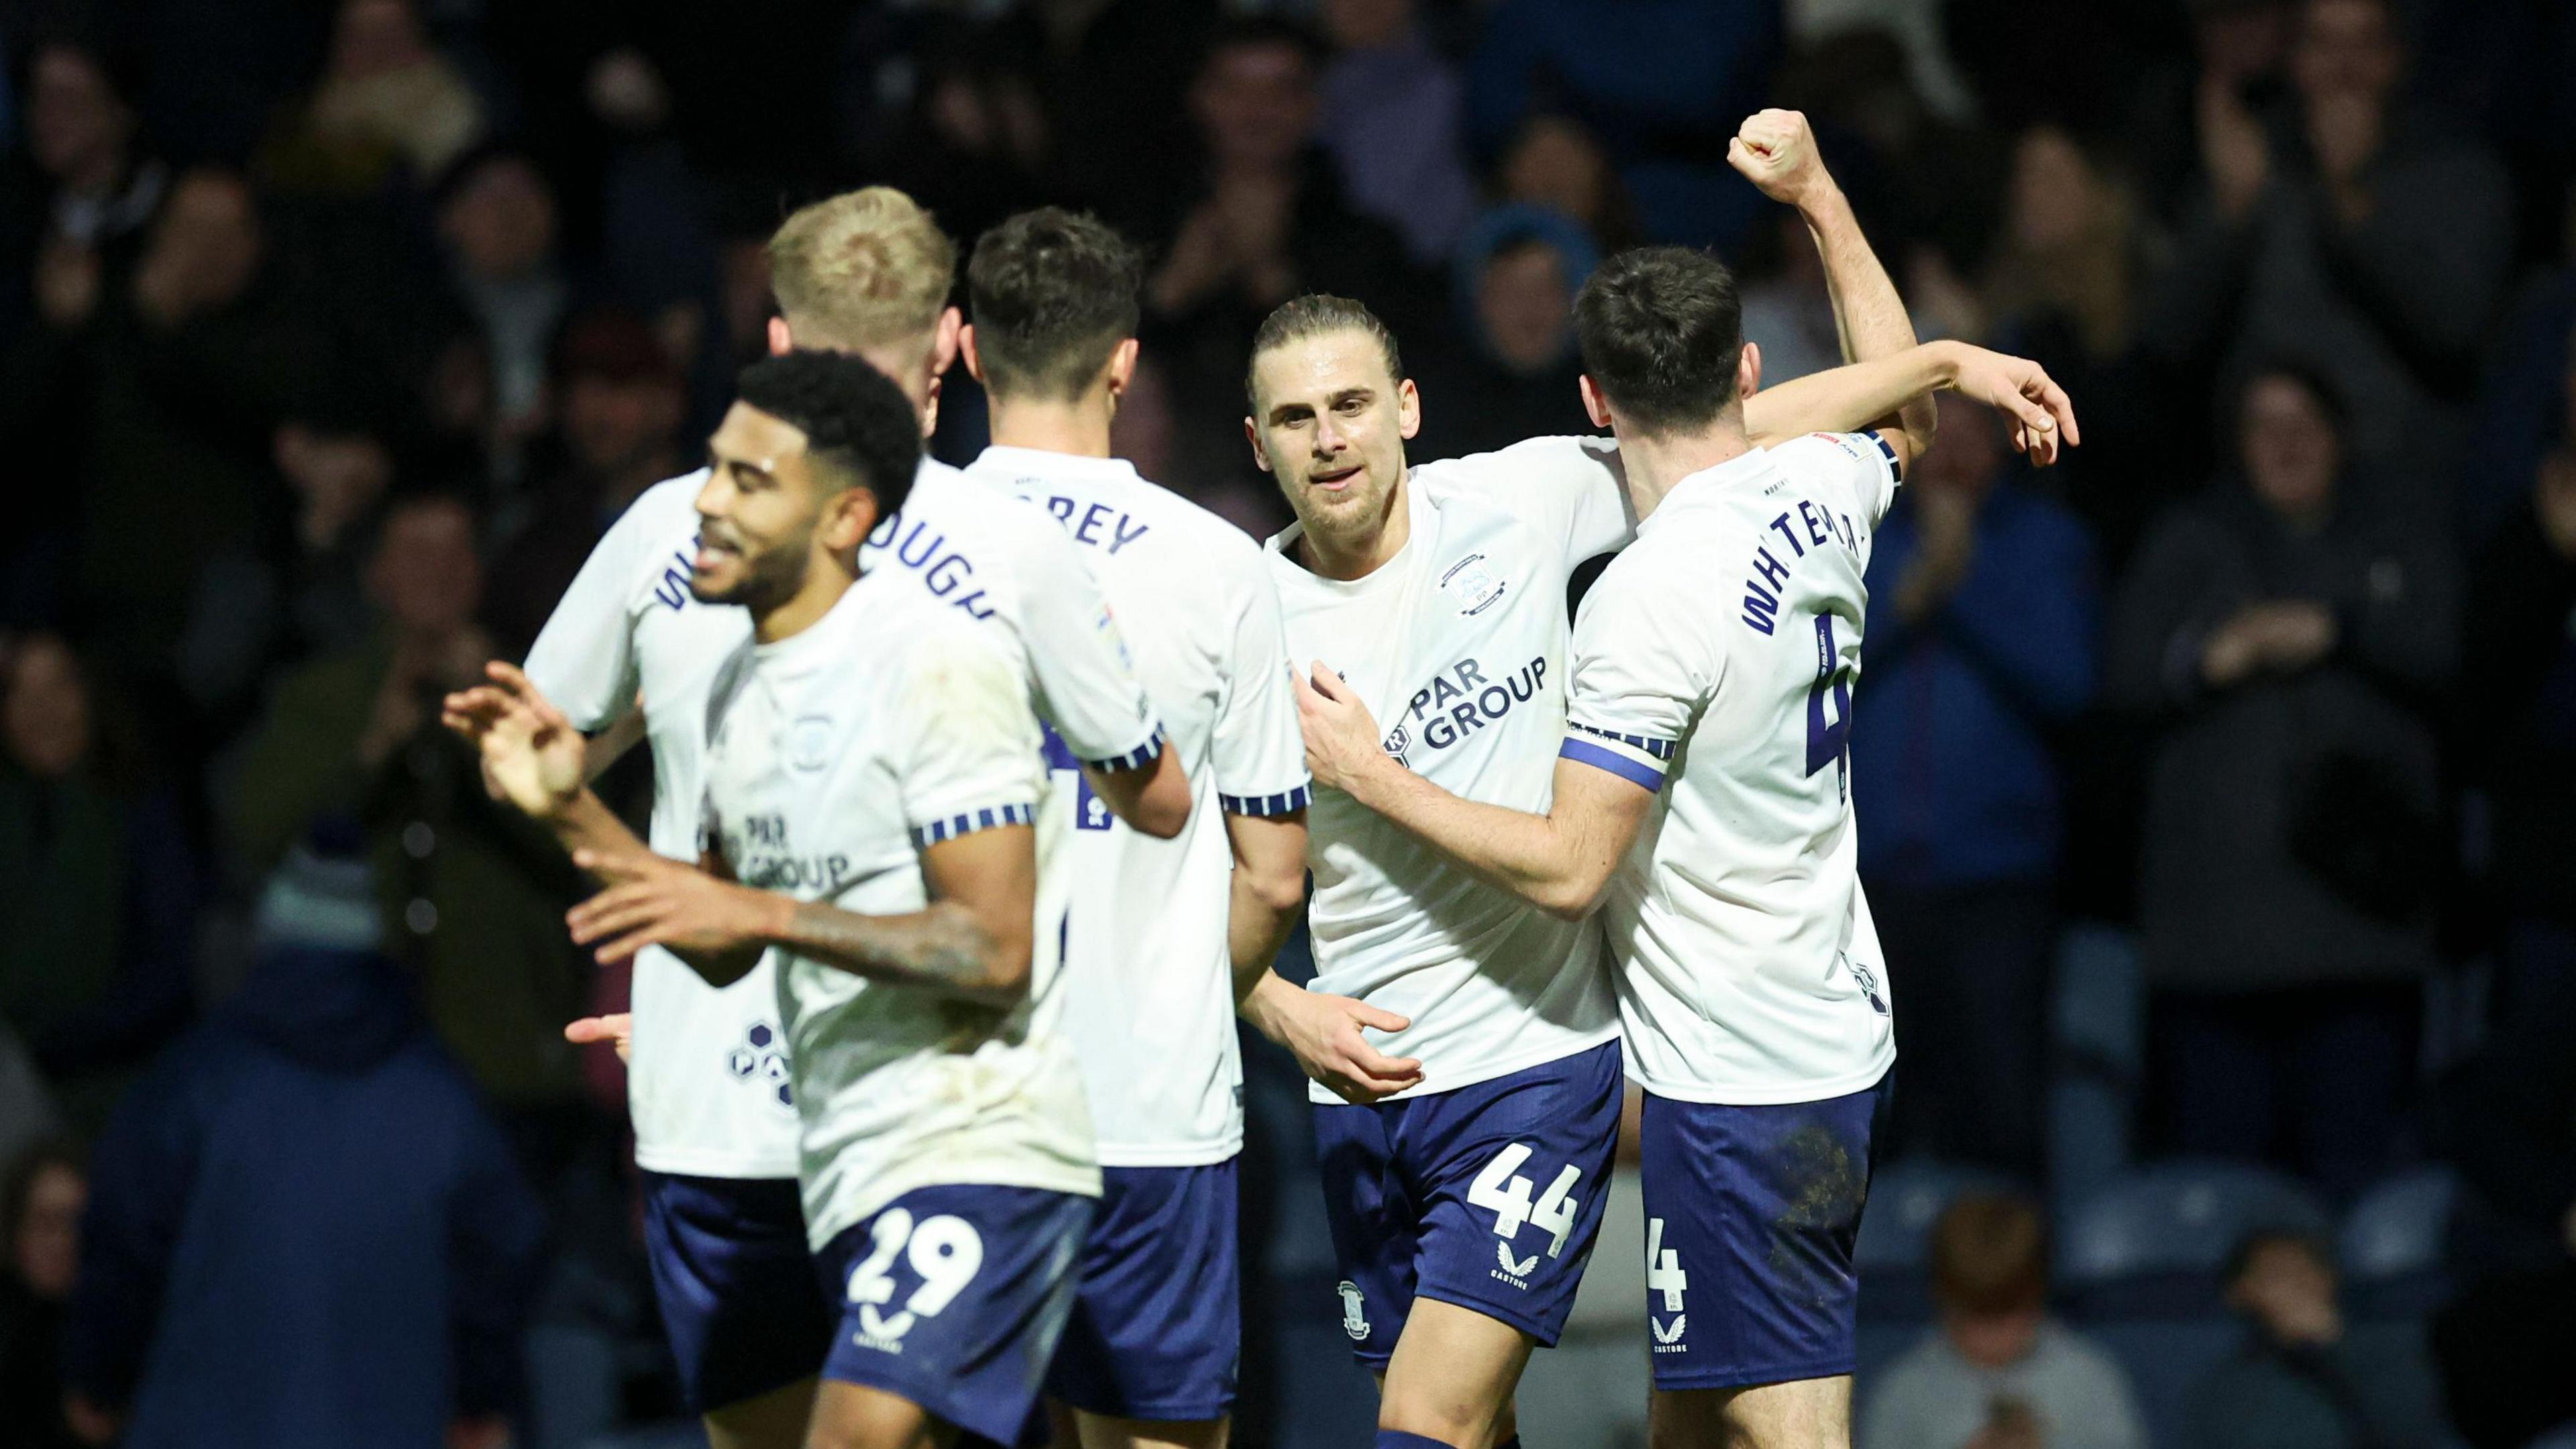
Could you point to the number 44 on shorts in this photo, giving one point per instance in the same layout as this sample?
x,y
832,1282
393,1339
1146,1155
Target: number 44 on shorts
x,y
1508,1197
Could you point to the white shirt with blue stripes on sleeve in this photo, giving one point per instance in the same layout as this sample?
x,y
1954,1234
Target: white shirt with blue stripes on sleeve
x,y
1459,646
834,758
708,1080
1714,663
1149,997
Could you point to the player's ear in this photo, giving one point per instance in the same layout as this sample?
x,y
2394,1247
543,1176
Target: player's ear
x,y
1408,402
848,518
780,343
1122,365
1748,371
1252,435
1595,406
943,342
966,352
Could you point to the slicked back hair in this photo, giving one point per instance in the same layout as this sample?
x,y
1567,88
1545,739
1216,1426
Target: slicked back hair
x,y
1051,295
858,426
1661,330
1316,314
864,269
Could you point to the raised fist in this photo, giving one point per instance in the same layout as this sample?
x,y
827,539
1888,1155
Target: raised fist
x,y
1777,153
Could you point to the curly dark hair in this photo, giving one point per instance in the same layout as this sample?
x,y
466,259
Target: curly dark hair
x,y
1661,330
1051,294
856,422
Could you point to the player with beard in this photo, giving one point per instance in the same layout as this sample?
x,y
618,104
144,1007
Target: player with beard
x,y
1463,1151
872,775
866,273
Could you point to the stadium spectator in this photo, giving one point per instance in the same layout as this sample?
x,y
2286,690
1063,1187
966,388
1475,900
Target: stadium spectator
x,y
2288,630
470,895
40,1210
1998,1370
75,213
2367,244
619,405
1664,83
1514,375
1268,222
1555,161
497,215
2065,286
303,1232
2302,1381
387,103
1983,648
98,891
299,588
1391,119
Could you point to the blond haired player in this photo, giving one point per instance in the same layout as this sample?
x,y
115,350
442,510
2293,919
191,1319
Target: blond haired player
x,y
868,273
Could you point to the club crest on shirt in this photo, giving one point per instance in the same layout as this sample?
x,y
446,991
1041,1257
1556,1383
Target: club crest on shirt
x,y
809,744
1471,582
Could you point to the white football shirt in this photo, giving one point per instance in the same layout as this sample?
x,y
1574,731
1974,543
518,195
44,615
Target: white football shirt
x,y
1149,997
834,757
1459,646
1715,662
708,1080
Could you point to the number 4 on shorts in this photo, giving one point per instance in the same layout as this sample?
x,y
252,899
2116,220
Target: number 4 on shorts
x,y
1509,1198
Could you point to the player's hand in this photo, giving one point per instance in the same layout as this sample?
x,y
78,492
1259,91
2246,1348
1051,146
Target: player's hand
x,y
651,901
1342,742
2043,417
616,1028
1324,1034
532,756
1776,151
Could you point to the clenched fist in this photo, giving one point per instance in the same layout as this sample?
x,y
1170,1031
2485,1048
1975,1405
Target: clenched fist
x,y
1777,153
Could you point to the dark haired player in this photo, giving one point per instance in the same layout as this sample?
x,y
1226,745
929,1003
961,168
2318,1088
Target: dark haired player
x,y
1463,1154
872,776
629,652
1155,929
1714,663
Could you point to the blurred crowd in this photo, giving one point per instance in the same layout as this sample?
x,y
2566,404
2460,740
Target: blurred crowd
x,y
332,336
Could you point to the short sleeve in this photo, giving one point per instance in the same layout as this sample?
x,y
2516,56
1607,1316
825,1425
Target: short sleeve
x,y
1259,753
970,757
1639,680
584,658
1086,687
1862,463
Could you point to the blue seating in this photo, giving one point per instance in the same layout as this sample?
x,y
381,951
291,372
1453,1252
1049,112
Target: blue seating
x,y
2139,1265
2097,1046
1894,1251
2173,1224
2393,1245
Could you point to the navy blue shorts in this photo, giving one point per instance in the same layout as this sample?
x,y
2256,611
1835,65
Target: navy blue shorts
x,y
735,1284
1157,1327
1751,1213
953,1297
1488,1197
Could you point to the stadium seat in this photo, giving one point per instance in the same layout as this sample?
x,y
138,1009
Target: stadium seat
x,y
2097,1043
2175,1222
2392,1245
2139,1266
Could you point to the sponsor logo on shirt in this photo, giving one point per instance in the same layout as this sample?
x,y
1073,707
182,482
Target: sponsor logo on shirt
x,y
1460,701
761,1058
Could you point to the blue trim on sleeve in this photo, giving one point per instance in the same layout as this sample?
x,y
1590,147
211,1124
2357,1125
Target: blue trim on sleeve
x,y
1135,759
1279,804
1895,469
1584,752
972,821
1660,749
